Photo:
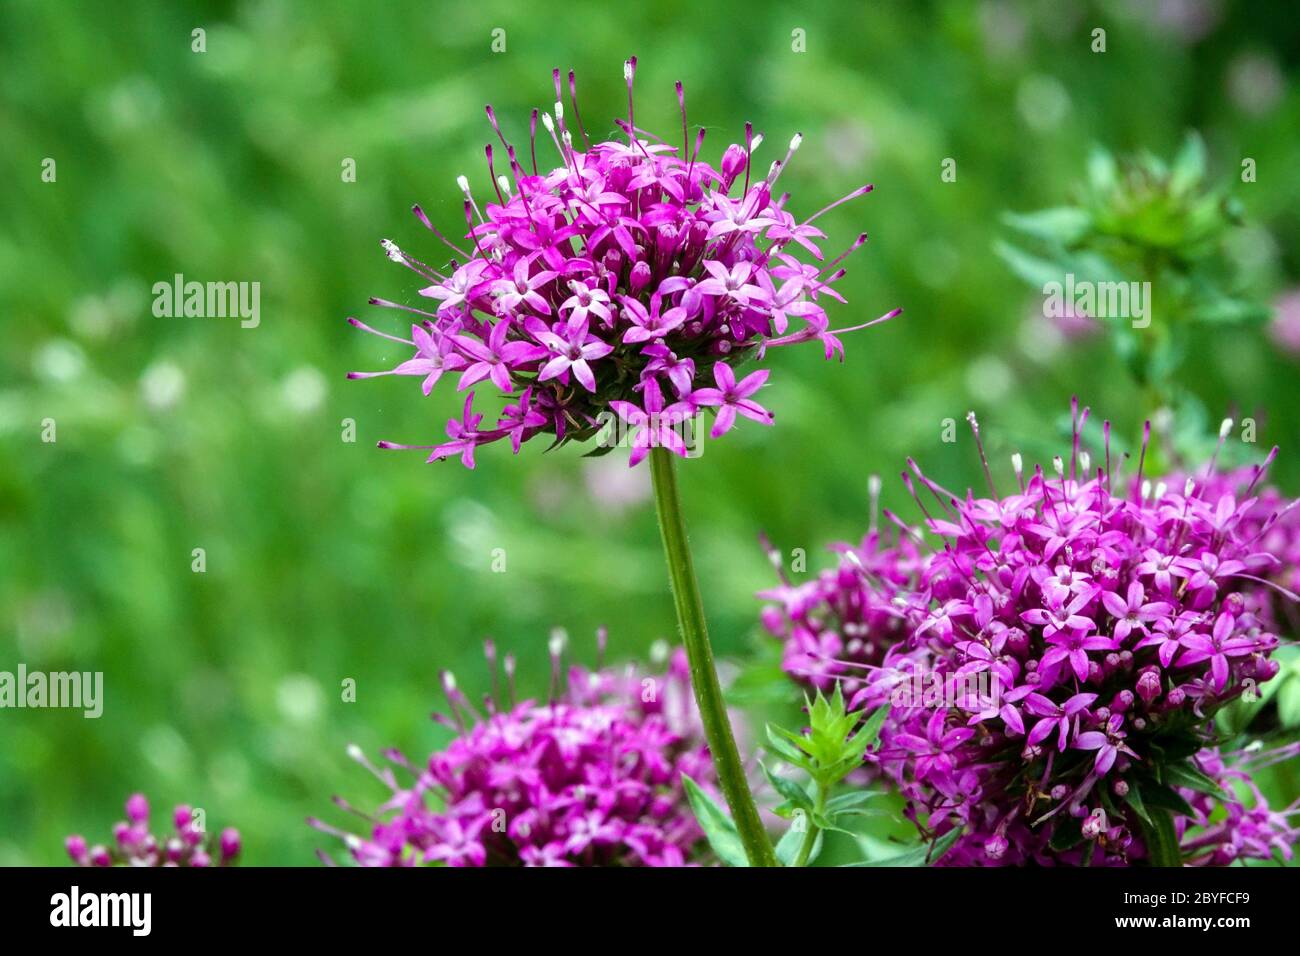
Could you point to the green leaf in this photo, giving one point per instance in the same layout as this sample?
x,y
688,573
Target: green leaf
x,y
1065,224
1158,797
1037,272
923,855
788,789
717,825
1067,835
1187,775
848,801
1226,310
1288,701
787,848
1189,165
1134,800
779,737
1102,171
1162,840
870,732
781,747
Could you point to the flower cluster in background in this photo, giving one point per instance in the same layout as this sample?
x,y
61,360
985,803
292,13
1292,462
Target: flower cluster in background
x,y
625,285
1272,522
591,777
134,845
1084,630
1224,827
838,627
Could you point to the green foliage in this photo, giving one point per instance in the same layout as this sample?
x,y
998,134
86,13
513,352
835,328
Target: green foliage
x,y
924,855
718,827
828,750
329,560
1161,229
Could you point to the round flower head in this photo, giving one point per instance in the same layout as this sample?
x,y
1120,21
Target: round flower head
x,y
1225,828
619,291
1272,522
591,777
134,844
1066,648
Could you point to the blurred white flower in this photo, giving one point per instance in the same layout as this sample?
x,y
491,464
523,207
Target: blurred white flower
x,y
304,389
1285,327
988,379
1042,101
1255,83
59,360
299,698
613,486
162,385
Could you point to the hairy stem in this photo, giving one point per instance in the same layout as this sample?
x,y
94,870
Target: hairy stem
x,y
704,675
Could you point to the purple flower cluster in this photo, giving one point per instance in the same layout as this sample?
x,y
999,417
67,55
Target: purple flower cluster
x,y
1059,644
592,777
621,289
1273,523
134,845
1222,831
838,627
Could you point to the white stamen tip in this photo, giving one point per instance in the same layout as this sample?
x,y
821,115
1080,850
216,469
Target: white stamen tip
x,y
756,142
1188,487
1058,466
659,652
354,752
1085,462
853,559
548,122
1225,428
504,183
1146,490
1160,490
873,485
559,637
463,183
627,70
559,110
796,141
449,681
1018,463
391,249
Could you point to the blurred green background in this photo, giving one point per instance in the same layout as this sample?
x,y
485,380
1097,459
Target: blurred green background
x,y
329,560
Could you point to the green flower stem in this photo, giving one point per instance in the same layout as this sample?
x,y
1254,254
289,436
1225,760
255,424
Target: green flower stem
x,y
810,837
704,675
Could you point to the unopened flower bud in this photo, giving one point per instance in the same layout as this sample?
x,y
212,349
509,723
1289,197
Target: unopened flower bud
x,y
1148,686
137,808
1095,824
995,847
